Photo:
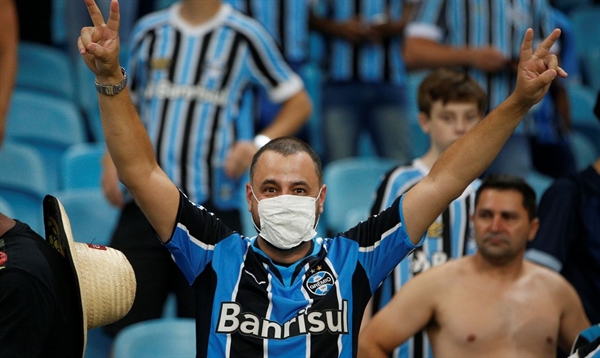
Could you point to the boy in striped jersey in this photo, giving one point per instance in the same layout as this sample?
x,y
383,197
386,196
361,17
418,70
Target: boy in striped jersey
x,y
450,104
482,36
189,67
490,304
286,292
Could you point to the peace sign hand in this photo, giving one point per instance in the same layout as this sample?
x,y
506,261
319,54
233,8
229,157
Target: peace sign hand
x,y
99,44
536,69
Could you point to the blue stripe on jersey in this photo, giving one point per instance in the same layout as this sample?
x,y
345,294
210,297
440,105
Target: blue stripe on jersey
x,y
312,307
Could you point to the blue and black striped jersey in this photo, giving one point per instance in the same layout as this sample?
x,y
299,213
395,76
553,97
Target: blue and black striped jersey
x,y
364,62
187,82
250,306
449,237
480,23
285,20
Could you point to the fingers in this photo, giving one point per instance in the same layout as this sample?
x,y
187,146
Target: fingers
x,y
114,16
94,12
84,41
526,45
544,48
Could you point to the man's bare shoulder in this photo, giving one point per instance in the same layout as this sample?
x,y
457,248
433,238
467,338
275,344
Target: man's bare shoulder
x,y
545,277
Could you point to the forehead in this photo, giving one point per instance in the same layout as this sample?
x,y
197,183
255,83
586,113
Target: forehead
x,y
458,107
501,200
297,167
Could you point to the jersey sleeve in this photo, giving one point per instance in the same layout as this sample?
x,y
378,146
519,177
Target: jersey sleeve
x,y
429,22
382,242
558,225
194,238
267,66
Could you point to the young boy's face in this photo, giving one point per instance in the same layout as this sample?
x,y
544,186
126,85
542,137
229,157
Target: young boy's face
x,y
446,123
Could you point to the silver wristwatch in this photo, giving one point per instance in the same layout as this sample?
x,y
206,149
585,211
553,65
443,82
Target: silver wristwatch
x,y
111,90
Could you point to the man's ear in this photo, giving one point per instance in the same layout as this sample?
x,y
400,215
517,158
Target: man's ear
x,y
322,198
535,225
424,121
249,196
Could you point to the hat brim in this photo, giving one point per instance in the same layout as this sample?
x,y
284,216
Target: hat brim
x,y
59,235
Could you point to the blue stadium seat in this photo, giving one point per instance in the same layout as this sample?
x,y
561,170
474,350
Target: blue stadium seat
x,y
81,166
22,183
581,103
539,182
586,26
91,215
163,337
351,185
45,69
584,150
5,208
51,125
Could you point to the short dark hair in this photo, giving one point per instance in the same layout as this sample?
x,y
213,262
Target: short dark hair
x,y
510,182
447,85
287,146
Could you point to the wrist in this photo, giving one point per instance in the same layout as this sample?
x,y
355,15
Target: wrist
x,y
112,85
111,79
260,140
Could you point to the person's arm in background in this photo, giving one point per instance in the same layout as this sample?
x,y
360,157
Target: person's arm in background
x,y
353,30
293,113
386,28
470,155
9,41
410,310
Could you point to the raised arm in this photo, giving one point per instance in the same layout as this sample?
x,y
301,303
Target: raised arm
x,y
469,156
125,135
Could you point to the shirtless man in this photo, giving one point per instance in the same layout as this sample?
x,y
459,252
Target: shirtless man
x,y
492,304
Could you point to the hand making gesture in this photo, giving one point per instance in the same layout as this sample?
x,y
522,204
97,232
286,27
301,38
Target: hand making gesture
x,y
99,44
536,69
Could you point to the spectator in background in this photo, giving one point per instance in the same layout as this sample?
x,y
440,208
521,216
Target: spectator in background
x,y
364,88
483,37
52,291
491,304
189,65
8,58
450,104
287,22
569,235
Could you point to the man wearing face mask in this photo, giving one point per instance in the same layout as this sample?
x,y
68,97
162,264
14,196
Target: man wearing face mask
x,y
285,292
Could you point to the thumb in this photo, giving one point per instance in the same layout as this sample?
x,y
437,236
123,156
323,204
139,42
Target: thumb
x,y
545,78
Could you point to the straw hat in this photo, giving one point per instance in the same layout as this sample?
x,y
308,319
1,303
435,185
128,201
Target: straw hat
x,y
105,279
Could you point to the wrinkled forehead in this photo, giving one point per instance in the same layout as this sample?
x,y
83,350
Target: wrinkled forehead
x,y
279,168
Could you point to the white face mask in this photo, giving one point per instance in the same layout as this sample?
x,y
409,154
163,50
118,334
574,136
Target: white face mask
x,y
286,221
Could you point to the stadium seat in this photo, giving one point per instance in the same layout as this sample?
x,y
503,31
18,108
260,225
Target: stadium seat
x,y
22,183
586,26
163,337
5,208
584,150
45,69
351,185
539,182
91,215
50,125
581,102
81,166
